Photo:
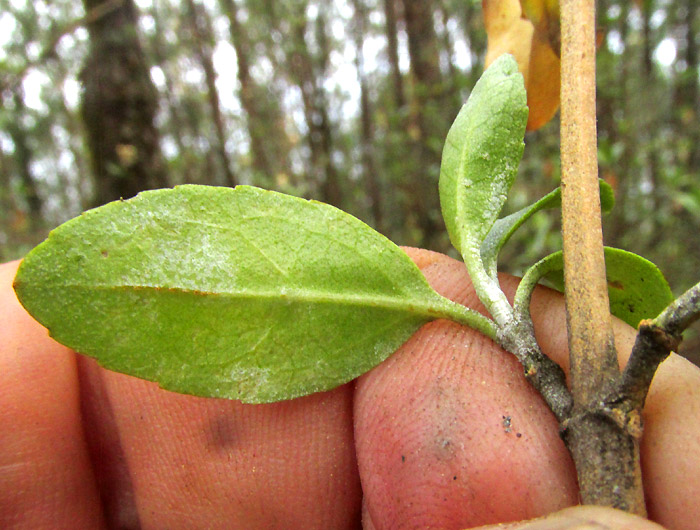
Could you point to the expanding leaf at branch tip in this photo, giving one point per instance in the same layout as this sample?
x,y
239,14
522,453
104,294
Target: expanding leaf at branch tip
x,y
528,29
636,287
505,227
237,293
481,156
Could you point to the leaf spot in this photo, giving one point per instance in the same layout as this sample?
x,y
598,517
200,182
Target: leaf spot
x,y
616,285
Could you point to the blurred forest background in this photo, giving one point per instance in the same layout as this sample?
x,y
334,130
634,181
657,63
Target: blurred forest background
x,y
345,101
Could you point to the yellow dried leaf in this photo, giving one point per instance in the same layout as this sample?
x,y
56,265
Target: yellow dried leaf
x,y
509,32
544,15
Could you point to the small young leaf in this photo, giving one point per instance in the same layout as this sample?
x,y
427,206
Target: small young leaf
x,y
238,293
479,163
505,227
636,287
481,155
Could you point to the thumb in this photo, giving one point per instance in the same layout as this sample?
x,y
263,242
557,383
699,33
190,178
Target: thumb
x,y
582,518
448,432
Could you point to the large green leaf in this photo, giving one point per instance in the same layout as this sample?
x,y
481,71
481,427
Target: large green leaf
x,y
505,227
481,155
238,293
636,287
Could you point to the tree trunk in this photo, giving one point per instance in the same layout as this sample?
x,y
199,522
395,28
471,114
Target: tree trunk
x,y
393,51
429,122
648,71
369,165
689,91
177,122
475,35
423,45
268,141
452,85
202,32
301,64
118,107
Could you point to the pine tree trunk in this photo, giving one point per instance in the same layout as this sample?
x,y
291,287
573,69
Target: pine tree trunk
x,y
118,107
369,165
306,77
268,141
201,29
428,120
393,51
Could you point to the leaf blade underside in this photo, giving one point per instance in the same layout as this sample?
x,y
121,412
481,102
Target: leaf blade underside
x,y
636,287
481,155
238,293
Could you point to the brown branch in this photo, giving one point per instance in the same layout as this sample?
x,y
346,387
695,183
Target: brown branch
x,y
593,359
605,454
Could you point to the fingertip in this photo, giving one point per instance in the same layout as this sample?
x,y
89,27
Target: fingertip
x,y
422,257
46,478
671,444
582,518
448,433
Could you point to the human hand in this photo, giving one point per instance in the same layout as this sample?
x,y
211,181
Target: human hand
x,y
445,434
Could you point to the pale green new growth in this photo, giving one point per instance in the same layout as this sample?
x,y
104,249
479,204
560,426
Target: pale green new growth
x,y
479,164
505,227
238,293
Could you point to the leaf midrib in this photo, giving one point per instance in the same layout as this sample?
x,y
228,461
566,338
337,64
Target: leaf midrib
x,y
430,311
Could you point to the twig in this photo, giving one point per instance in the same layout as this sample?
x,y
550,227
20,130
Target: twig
x,y
593,359
605,454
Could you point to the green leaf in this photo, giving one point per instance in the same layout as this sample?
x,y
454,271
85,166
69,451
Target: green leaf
x,y
505,227
481,155
238,293
636,287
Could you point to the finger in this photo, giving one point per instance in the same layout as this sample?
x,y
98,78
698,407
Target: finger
x,y
164,460
177,461
450,435
582,518
670,446
45,476
487,384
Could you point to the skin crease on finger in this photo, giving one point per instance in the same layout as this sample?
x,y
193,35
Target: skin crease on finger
x,y
453,436
501,452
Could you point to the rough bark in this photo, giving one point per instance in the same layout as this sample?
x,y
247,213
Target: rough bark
x,y
118,107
